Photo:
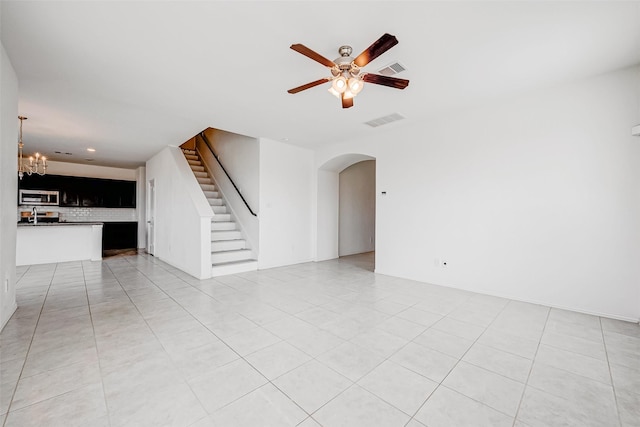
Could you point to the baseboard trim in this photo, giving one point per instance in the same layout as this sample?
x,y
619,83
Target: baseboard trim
x,y
12,309
529,301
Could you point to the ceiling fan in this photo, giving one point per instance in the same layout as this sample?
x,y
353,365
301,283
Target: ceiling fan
x,y
347,78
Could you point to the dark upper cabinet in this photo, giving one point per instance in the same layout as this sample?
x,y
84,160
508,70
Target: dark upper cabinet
x,y
85,192
119,194
128,194
112,196
37,182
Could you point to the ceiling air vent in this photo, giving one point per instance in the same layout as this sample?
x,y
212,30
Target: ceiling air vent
x,y
392,69
384,120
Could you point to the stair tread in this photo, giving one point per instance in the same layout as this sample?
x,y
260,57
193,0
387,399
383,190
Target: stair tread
x,y
230,255
231,251
236,262
244,261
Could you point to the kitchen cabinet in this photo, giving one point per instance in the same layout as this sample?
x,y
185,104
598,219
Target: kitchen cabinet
x,y
85,192
50,243
119,235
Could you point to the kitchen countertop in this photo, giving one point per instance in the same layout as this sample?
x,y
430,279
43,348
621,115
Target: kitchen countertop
x,y
30,224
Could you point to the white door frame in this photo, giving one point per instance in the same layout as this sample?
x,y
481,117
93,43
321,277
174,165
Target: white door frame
x,y
151,216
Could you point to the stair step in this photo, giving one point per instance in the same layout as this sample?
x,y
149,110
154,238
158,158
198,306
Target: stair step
x,y
216,202
228,245
219,209
208,187
223,217
189,150
195,162
234,267
204,180
200,174
230,256
197,168
191,156
212,194
217,236
223,226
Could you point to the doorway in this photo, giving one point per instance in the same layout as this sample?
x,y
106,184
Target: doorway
x,y
357,209
328,208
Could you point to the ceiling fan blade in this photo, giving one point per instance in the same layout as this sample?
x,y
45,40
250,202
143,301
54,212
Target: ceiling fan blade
x,y
300,48
393,82
347,102
308,85
380,46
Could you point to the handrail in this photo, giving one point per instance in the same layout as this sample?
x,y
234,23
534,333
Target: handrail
x,y
208,144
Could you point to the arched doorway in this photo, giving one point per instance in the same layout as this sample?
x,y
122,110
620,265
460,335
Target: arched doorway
x,y
328,207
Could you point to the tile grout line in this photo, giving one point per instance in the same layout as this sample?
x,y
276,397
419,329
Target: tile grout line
x,y
213,333
309,415
533,361
249,363
613,387
95,342
26,356
456,364
117,279
385,359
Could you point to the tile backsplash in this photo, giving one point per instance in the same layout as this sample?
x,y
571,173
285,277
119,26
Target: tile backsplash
x,y
80,214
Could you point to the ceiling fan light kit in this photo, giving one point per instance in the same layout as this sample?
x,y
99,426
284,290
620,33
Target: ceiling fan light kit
x,y
347,78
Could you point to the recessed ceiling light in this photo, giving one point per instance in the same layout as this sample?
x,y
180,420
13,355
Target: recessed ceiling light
x,y
91,150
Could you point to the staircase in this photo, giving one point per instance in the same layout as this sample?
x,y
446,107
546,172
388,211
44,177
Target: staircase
x,y
229,251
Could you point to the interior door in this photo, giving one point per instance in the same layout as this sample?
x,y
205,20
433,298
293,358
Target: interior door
x,y
151,216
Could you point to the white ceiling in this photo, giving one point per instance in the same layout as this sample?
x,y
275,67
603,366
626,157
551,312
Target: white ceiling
x,y
129,78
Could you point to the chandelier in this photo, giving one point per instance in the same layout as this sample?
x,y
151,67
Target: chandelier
x,y
36,165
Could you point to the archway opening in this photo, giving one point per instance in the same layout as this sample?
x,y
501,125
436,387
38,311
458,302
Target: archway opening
x,y
346,208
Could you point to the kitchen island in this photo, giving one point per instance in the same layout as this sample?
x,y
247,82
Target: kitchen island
x,y
45,243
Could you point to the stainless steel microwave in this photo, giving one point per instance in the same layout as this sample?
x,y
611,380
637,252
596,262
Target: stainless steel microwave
x,y
39,197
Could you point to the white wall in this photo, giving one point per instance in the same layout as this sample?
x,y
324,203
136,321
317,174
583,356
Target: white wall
x,y
534,199
8,185
182,214
357,208
327,233
286,200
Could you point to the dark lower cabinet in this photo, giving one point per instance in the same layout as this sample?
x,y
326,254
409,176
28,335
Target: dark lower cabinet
x,y
119,235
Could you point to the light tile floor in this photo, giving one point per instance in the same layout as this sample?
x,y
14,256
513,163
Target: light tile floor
x,y
131,341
